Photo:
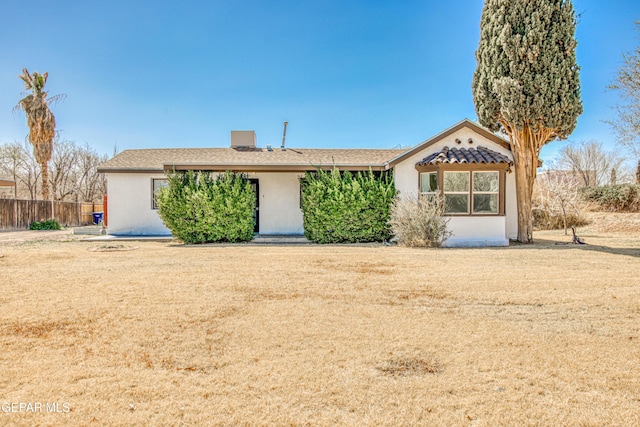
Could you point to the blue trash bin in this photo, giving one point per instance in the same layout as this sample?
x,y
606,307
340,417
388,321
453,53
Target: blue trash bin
x,y
97,217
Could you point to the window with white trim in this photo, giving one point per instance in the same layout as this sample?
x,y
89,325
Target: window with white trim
x,y
486,186
456,192
429,183
157,184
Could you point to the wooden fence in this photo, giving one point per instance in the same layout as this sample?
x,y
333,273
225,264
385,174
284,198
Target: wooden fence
x,y
19,214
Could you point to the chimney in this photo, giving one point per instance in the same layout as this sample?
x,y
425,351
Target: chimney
x,y
284,135
243,139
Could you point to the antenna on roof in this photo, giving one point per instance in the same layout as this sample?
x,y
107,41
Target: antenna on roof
x,y
284,134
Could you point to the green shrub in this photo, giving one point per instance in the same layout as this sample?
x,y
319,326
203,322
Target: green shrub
x,y
50,224
340,207
199,207
419,221
615,198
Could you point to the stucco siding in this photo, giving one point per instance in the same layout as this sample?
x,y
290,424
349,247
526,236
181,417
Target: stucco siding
x,y
280,211
130,210
130,205
511,206
477,231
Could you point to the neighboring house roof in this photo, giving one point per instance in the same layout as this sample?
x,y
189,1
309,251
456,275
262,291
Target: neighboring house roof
x,y
464,155
6,182
276,159
254,159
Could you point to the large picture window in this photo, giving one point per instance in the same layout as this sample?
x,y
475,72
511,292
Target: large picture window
x,y
157,183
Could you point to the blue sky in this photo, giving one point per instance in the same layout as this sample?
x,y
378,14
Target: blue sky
x,y
369,74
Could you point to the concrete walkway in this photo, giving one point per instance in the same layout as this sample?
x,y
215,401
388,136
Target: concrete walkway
x,y
260,239
92,234
287,239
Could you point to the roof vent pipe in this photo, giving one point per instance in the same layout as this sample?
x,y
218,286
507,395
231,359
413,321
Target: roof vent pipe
x,y
284,134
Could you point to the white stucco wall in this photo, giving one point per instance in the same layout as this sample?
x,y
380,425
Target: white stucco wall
x,y
501,228
130,205
511,206
477,231
280,211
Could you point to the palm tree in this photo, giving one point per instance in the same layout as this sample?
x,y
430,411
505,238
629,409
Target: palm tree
x,y
40,120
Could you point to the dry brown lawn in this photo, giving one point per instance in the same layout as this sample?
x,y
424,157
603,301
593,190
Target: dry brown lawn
x,y
152,333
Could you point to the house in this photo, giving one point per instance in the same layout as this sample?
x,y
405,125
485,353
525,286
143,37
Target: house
x,y
7,188
466,163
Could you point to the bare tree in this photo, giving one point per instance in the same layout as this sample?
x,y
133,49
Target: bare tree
x,y
63,170
17,161
73,173
556,194
11,157
589,162
627,123
91,185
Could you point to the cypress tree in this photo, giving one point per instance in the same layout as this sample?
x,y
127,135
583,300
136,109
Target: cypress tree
x,y
527,83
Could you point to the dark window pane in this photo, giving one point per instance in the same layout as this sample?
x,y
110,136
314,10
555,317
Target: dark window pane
x,y
158,184
485,203
456,203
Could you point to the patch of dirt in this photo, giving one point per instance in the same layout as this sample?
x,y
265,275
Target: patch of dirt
x,y
112,247
411,366
40,329
415,296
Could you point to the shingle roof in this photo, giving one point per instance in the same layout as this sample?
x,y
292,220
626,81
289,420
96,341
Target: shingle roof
x,y
464,155
212,158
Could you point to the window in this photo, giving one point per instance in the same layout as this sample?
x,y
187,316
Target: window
x,y
475,193
156,185
465,188
429,183
485,192
456,192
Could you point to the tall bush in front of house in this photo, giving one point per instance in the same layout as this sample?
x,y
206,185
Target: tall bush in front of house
x,y
342,207
199,207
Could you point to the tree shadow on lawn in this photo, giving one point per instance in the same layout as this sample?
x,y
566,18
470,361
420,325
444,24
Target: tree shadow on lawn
x,y
539,243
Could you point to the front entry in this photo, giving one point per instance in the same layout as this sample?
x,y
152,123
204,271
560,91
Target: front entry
x,y
255,186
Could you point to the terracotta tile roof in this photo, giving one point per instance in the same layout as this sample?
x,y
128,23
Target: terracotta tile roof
x,y
464,155
245,158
